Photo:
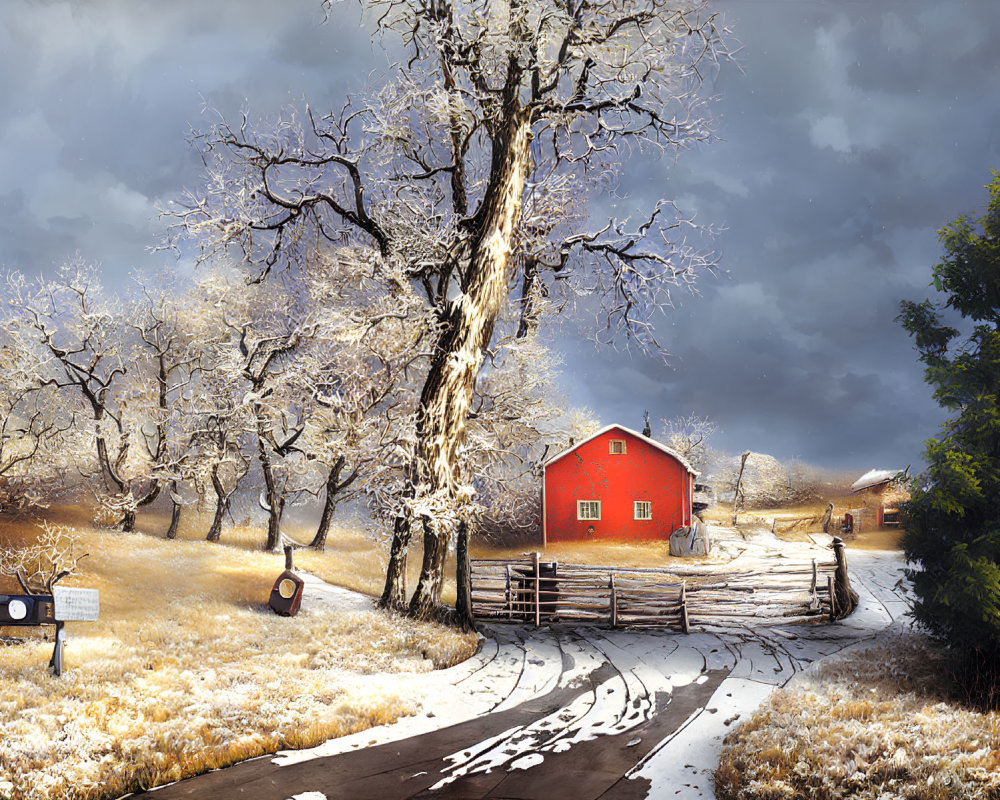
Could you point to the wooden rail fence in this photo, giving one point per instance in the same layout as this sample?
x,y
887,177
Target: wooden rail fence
x,y
682,598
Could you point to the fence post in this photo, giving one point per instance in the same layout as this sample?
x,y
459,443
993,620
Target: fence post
x,y
847,598
554,593
833,597
538,589
614,601
508,601
685,623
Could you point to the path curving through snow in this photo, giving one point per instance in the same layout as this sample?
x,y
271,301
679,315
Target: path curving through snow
x,y
568,712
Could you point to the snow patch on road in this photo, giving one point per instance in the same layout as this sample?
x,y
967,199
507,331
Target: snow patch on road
x,y
682,765
527,762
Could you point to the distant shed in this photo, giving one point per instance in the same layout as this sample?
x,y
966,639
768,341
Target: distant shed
x,y
616,484
881,491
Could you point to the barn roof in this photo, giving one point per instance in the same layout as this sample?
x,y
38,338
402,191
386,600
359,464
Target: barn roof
x,y
659,446
875,477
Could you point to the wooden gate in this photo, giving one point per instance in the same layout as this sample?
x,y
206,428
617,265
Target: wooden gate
x,y
681,598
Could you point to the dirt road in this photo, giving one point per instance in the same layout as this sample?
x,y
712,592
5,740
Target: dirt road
x,y
581,713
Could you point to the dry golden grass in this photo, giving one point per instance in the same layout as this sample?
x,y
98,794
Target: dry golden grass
x,y
349,560
873,726
592,552
188,670
654,553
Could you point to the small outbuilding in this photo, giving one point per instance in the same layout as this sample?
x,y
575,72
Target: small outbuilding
x,y
616,484
880,493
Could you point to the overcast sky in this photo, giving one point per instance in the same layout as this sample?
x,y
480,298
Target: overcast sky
x,y
850,133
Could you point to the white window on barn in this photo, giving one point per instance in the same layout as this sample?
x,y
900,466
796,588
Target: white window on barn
x,y
643,509
588,509
616,447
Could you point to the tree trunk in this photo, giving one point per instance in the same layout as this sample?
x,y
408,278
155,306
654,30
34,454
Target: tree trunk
x,y
104,459
329,504
428,593
175,513
394,592
151,495
470,319
221,506
529,315
128,521
275,499
277,504
111,480
463,579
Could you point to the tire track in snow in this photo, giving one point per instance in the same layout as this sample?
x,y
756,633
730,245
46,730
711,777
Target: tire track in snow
x,y
574,714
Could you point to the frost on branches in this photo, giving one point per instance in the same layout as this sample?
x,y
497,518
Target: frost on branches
x,y
71,340
459,188
40,566
688,436
32,432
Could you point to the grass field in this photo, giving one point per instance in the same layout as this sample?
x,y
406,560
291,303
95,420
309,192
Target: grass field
x,y
188,670
623,554
873,725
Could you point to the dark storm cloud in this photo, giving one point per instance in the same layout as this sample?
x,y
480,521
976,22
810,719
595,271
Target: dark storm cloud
x,y
98,98
852,131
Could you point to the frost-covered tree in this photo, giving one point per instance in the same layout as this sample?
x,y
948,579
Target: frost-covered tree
x,y
211,428
462,181
318,373
758,480
165,362
38,567
82,343
358,379
689,437
33,427
253,335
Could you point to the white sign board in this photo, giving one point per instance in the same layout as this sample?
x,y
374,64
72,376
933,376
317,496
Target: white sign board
x,y
76,604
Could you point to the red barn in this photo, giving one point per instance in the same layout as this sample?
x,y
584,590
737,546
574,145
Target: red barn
x,y
618,484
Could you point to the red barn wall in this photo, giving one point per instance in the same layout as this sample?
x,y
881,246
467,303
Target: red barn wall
x,y
590,472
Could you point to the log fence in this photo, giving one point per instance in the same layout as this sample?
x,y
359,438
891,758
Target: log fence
x,y
683,598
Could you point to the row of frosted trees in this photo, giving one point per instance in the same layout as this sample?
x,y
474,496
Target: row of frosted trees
x,y
192,391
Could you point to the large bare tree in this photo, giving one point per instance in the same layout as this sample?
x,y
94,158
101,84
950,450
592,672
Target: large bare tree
x,y
463,181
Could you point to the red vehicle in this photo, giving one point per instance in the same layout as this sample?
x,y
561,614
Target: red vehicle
x,y
617,484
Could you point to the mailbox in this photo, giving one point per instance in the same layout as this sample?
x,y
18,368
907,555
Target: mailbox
x,y
27,609
286,594
50,609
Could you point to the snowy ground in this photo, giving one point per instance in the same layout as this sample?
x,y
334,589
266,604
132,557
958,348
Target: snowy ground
x,y
626,714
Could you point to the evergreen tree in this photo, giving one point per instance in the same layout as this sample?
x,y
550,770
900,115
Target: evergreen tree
x,y
953,518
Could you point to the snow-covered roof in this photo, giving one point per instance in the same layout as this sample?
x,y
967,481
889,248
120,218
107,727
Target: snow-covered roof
x,y
873,478
658,445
